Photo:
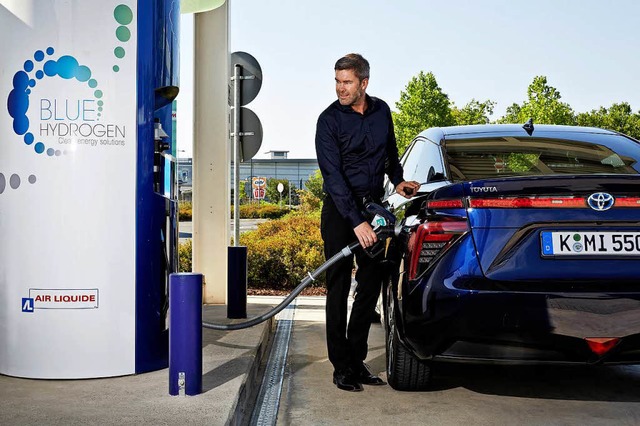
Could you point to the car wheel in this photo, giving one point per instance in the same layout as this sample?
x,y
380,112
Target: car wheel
x,y
405,372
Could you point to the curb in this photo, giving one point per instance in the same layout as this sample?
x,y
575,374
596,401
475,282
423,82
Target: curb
x,y
240,412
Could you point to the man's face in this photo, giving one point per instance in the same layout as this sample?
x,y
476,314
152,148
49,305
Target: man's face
x,y
349,88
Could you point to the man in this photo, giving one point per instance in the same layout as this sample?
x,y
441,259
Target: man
x,y
356,146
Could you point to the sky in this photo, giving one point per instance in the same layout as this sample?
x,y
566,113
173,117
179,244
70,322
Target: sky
x,y
490,49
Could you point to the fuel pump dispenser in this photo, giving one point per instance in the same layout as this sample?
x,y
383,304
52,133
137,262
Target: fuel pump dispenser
x,y
88,200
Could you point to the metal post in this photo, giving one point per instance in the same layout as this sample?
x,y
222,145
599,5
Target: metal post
x,y
185,334
236,255
237,72
237,285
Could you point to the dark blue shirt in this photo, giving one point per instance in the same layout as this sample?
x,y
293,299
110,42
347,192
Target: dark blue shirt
x,y
354,153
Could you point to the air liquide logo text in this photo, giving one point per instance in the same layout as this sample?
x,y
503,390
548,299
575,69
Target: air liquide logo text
x,y
60,299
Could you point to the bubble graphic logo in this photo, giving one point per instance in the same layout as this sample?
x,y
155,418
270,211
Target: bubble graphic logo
x,y
14,181
123,16
65,67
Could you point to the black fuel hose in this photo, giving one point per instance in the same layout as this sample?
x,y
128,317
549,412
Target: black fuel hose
x,y
345,252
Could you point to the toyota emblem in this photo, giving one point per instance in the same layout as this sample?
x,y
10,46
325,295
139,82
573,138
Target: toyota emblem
x,y
600,201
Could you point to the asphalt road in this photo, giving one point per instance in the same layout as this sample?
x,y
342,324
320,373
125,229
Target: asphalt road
x,y
186,228
462,394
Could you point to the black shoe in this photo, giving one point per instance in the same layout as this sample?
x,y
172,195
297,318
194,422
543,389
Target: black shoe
x,y
366,377
345,381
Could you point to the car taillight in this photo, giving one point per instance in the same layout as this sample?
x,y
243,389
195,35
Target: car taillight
x,y
601,345
627,202
527,202
445,204
431,240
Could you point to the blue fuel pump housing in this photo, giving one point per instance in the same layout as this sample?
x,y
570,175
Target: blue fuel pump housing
x,y
157,212
88,196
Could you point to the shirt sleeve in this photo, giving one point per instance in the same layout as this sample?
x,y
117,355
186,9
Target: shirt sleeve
x,y
394,168
330,163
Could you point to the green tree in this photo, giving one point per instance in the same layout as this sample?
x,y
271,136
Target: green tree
x,y
422,104
311,197
618,117
272,193
243,191
512,115
543,105
314,184
474,112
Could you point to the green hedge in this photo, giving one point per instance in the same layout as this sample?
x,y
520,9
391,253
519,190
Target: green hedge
x,y
185,251
247,211
261,211
185,209
281,252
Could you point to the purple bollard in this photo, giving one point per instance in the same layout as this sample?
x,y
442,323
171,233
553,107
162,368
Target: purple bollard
x,y
185,334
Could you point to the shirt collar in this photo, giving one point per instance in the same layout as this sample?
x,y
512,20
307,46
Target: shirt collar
x,y
372,104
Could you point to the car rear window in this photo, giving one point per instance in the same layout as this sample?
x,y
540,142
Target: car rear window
x,y
479,158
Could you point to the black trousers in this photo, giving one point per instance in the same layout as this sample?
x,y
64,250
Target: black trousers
x,y
347,342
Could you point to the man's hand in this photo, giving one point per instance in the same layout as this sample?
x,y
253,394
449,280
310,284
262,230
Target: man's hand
x,y
365,235
407,188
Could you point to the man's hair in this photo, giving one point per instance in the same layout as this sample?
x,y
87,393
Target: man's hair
x,y
355,62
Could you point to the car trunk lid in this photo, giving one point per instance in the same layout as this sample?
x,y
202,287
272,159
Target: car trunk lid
x,y
555,227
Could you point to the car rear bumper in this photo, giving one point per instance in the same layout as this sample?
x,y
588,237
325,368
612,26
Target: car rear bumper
x,y
453,324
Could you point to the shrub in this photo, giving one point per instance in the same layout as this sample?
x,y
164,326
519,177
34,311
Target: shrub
x,y
309,202
261,211
185,251
281,252
185,209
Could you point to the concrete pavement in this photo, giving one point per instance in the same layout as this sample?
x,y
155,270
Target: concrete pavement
x,y
461,394
230,374
479,395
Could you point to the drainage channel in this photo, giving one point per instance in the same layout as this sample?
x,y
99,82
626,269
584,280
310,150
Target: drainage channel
x,y
268,402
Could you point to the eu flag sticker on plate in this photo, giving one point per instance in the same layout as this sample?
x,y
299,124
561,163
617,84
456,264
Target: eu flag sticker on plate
x,y
547,244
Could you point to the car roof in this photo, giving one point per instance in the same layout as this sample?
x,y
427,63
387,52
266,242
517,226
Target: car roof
x,y
492,128
437,134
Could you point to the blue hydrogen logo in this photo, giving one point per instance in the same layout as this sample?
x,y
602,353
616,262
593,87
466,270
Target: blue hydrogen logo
x,y
65,67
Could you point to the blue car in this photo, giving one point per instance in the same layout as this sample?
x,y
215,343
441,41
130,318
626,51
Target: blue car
x,y
522,246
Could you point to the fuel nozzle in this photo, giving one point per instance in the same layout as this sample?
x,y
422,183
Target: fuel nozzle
x,y
383,224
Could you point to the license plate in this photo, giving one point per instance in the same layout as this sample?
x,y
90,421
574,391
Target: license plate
x,y
590,243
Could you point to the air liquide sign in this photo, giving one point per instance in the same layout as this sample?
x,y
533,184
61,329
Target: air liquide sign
x,y
60,299
67,187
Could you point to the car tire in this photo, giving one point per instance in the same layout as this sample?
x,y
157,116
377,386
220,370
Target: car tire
x,y
405,372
